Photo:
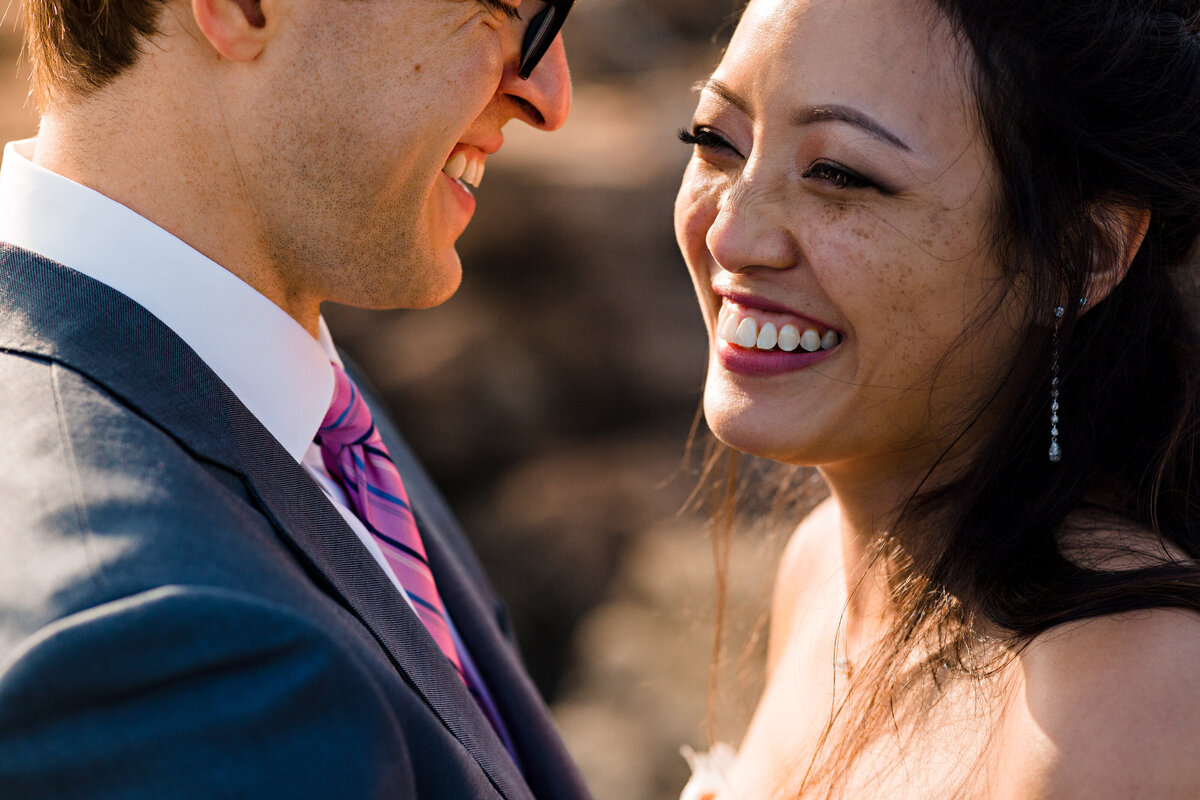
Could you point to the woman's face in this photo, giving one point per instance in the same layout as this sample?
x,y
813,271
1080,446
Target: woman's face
x,y
839,194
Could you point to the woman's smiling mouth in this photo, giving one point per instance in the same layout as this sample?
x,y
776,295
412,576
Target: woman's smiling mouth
x,y
746,328
753,323
754,340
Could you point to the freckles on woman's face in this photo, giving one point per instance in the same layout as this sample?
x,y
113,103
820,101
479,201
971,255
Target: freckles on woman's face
x,y
834,218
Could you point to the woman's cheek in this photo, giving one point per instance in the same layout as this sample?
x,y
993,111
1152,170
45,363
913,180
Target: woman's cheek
x,y
695,210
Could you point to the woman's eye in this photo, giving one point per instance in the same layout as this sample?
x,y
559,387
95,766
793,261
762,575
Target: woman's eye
x,y
839,177
705,139
503,8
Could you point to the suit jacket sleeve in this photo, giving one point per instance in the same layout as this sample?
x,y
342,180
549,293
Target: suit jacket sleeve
x,y
194,693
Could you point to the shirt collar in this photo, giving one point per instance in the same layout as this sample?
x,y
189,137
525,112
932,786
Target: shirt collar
x,y
270,362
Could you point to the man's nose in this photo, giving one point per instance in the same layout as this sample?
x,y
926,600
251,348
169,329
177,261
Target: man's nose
x,y
544,99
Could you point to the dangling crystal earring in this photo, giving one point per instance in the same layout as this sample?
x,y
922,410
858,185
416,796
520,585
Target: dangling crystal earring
x,y
1055,450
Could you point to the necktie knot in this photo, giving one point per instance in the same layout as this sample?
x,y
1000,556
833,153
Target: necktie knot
x,y
357,458
348,420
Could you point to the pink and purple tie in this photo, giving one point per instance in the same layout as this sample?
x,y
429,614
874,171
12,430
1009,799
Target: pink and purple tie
x,y
355,455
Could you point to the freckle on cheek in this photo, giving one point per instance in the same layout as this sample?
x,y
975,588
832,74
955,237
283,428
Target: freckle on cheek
x,y
417,67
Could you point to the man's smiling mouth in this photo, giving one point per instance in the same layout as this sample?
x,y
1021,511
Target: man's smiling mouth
x,y
465,165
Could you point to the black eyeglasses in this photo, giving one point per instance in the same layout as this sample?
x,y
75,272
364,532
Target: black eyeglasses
x,y
542,30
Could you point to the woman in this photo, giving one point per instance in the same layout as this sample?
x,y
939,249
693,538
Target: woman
x,y
938,246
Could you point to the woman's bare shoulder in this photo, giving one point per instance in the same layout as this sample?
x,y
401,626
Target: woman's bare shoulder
x,y
1107,707
809,567
1098,541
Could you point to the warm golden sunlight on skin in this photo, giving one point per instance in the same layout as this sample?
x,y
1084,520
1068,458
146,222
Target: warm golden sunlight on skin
x,y
840,183
838,219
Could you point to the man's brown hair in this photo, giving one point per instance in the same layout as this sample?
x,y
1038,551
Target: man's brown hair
x,y
79,46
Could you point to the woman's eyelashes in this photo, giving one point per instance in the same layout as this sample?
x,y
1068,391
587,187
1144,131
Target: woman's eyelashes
x,y
834,175
503,8
705,139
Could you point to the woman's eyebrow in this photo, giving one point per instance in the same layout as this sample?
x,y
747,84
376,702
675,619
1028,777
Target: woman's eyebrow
x,y
725,93
809,115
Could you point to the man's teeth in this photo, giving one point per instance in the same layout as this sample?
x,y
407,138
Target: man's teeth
x,y
474,175
456,166
746,333
460,168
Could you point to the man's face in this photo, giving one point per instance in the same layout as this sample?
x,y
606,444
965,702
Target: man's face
x,y
346,123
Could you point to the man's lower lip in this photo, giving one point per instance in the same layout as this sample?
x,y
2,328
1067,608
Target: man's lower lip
x,y
746,361
464,198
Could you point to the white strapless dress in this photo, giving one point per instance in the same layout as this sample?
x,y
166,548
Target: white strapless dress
x,y
710,773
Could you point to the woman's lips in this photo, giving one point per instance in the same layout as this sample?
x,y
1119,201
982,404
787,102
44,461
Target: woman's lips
x,y
758,341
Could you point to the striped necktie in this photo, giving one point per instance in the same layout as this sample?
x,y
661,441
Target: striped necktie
x,y
355,455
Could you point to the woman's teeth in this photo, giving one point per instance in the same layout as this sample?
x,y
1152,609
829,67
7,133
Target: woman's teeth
x,y
461,168
767,337
747,333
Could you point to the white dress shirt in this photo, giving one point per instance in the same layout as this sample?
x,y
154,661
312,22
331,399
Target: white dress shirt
x,y
267,359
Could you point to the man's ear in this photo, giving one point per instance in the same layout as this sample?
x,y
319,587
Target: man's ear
x,y
1124,227
237,29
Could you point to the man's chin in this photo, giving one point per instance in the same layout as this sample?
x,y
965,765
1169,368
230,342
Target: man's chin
x,y
415,285
434,297
438,283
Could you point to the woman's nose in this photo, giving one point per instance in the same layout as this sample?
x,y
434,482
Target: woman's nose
x,y
749,231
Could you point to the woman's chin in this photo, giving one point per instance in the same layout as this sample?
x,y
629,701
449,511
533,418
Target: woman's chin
x,y
758,436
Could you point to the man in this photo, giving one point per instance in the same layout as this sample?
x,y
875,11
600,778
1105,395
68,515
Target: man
x,y
220,575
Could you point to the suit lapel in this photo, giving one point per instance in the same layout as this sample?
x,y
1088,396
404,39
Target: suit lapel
x,y
54,313
309,521
549,769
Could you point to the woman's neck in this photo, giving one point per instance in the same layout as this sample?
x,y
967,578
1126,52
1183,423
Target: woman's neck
x,y
868,502
864,571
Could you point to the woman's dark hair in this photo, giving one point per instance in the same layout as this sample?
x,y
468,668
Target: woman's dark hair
x,y
1090,107
1092,112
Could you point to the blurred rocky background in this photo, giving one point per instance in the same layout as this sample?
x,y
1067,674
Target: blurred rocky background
x,y
553,396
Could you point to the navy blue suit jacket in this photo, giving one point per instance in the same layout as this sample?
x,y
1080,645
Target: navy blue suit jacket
x,y
183,613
